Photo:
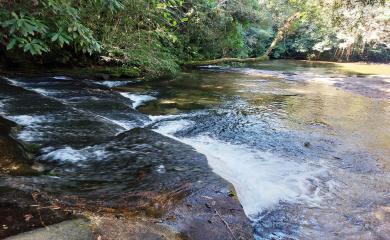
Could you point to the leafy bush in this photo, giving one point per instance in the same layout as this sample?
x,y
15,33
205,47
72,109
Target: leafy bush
x,y
155,36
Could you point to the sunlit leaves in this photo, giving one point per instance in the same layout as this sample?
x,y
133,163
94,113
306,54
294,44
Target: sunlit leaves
x,y
61,37
24,25
54,24
34,47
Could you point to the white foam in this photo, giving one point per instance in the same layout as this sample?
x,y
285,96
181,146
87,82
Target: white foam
x,y
62,78
168,128
261,179
11,81
112,84
170,117
41,91
137,99
26,120
27,135
69,154
161,169
127,125
65,154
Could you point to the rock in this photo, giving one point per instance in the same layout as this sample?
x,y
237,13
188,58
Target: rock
x,y
135,229
13,157
78,229
6,126
22,211
102,76
153,204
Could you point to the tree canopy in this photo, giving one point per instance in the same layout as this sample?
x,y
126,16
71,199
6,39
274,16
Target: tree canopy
x,y
155,36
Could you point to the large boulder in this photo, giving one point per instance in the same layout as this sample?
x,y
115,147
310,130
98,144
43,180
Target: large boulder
x,y
147,186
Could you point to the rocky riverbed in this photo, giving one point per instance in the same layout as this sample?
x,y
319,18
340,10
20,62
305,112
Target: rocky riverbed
x,y
278,150
145,190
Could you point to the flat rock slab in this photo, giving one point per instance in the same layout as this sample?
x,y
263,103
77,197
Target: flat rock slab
x,y
79,229
149,187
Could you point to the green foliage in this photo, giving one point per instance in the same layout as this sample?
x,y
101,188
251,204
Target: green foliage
x,y
44,26
155,36
336,30
26,33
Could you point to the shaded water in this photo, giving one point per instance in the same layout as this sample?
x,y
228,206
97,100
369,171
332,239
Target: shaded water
x,y
306,145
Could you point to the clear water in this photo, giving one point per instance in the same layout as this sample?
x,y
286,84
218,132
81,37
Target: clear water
x,y
306,145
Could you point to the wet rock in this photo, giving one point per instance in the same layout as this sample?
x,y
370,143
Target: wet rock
x,y
102,76
6,126
135,229
22,211
282,222
13,157
129,182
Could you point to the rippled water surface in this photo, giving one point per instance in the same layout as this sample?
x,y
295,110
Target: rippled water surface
x,y
306,145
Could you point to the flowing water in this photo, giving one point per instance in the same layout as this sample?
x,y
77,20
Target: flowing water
x,y
306,145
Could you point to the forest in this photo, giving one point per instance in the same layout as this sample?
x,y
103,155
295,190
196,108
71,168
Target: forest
x,y
154,38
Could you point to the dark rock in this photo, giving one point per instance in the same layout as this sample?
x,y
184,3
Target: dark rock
x,y
22,211
13,157
102,76
129,182
6,126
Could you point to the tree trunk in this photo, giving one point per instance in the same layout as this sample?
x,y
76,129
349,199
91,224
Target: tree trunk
x,y
279,36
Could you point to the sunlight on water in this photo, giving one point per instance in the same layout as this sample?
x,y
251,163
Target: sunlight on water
x,y
137,99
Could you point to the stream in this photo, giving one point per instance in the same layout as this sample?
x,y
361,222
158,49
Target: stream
x,y
306,145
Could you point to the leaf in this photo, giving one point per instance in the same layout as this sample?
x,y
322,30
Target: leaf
x,y
55,37
11,44
14,15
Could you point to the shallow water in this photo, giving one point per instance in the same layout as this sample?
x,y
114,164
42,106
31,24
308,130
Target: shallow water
x,y
306,145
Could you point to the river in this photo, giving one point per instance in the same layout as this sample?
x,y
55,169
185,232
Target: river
x,y
306,145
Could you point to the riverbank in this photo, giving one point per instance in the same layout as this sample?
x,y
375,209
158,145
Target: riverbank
x,y
101,72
